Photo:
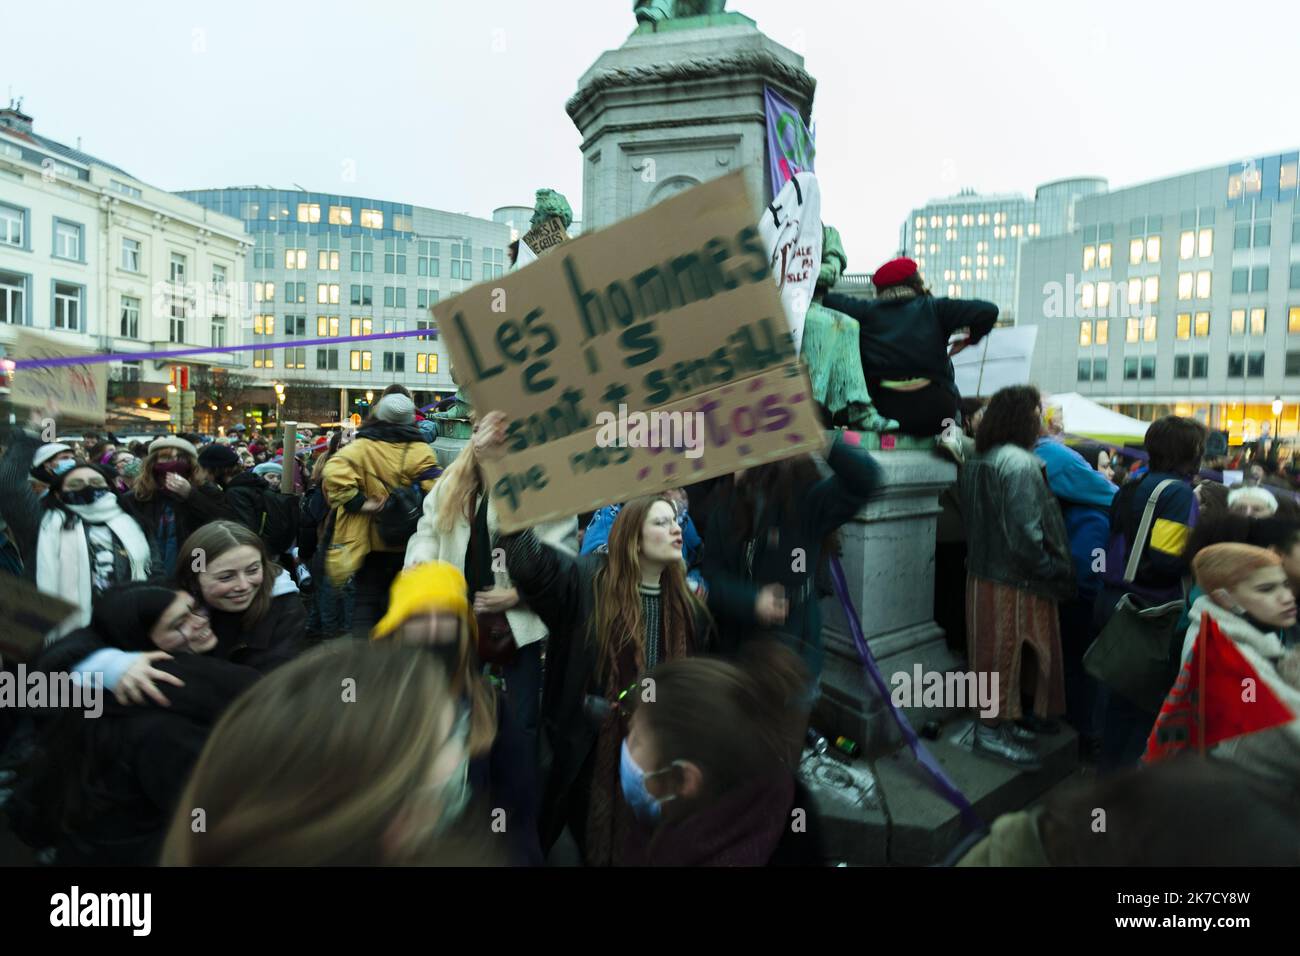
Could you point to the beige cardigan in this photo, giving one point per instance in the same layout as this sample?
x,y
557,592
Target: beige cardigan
x,y
430,544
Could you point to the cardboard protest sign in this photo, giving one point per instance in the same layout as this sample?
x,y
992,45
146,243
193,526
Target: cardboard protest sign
x,y
547,234
68,391
674,312
28,616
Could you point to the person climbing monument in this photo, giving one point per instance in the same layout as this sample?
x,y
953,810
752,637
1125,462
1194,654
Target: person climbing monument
x,y
906,353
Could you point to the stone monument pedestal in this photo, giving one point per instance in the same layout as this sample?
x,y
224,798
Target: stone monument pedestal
x,y
678,104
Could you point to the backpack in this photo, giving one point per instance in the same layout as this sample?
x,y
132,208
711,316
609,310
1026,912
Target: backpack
x,y
278,526
397,520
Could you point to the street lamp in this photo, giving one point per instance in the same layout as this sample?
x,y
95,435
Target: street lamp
x,y
1277,417
370,397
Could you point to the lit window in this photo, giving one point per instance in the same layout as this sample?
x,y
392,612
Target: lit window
x,y
1103,295
354,361
372,219
308,212
920,221
433,362
1103,256
1087,297
322,294
1134,291
1205,242
1149,329
1256,321
328,260
1103,331
1293,319
340,215
1237,322
1186,280
1151,289
951,221
1186,244
1203,285
1133,329
1089,258
1134,251
1085,333
365,361
1184,329
1287,176
1202,325
1153,248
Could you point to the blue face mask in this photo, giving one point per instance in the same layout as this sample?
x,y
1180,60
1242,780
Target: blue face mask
x,y
644,805
63,467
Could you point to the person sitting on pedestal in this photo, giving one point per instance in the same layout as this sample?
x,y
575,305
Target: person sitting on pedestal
x,y
905,350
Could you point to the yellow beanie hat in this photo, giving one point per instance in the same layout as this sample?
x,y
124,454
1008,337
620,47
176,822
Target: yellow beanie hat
x,y
434,586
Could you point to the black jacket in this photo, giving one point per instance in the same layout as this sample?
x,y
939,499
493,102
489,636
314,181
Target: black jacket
x,y
908,337
560,589
19,505
276,638
243,499
134,761
734,576
204,504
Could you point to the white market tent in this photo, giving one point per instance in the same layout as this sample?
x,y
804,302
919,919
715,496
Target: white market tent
x,y
1087,419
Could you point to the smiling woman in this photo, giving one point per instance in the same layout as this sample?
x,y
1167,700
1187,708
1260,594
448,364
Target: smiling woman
x,y
255,611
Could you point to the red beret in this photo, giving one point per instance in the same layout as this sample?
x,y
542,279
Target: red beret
x,y
893,272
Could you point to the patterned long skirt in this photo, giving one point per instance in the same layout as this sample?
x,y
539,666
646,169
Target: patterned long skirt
x,y
1000,622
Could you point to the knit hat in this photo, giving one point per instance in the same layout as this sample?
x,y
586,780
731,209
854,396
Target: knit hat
x,y
264,467
396,408
1228,564
893,272
171,441
433,586
125,614
46,452
214,457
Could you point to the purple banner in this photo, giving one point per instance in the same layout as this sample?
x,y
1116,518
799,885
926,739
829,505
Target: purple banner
x,y
790,146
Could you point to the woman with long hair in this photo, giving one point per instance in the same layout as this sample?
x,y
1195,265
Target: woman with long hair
x,y
768,537
167,503
429,608
255,609
101,791
705,795
1018,568
87,541
611,617
390,784
460,525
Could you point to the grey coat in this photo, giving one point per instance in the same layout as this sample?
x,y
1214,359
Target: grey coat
x,y
1014,529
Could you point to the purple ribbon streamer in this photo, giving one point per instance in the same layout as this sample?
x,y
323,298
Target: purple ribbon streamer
x,y
207,350
942,782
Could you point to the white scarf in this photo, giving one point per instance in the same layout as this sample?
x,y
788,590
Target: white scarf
x,y
63,557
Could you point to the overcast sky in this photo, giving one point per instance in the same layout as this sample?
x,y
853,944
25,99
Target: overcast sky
x,y
460,106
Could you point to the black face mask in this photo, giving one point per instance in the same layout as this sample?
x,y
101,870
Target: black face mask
x,y
448,654
84,496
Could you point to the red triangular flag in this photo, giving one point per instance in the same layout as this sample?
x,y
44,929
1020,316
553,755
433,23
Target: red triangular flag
x,y
1211,701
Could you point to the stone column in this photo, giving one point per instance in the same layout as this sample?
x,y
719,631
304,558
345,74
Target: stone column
x,y
679,106
888,559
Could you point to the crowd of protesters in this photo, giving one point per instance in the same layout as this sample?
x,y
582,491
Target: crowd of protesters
x,y
341,658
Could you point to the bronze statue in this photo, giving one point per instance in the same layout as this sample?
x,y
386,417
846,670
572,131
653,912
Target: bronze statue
x,y
653,11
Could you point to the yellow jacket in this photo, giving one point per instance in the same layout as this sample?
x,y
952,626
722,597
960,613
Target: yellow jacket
x,y
383,458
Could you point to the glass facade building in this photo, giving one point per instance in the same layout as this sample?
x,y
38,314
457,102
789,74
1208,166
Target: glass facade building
x,y
1180,296
328,266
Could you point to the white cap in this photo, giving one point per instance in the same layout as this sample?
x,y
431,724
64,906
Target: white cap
x,y
46,452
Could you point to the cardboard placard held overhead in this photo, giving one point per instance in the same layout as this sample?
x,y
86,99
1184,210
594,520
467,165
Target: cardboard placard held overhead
x,y
68,391
28,616
547,234
673,311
